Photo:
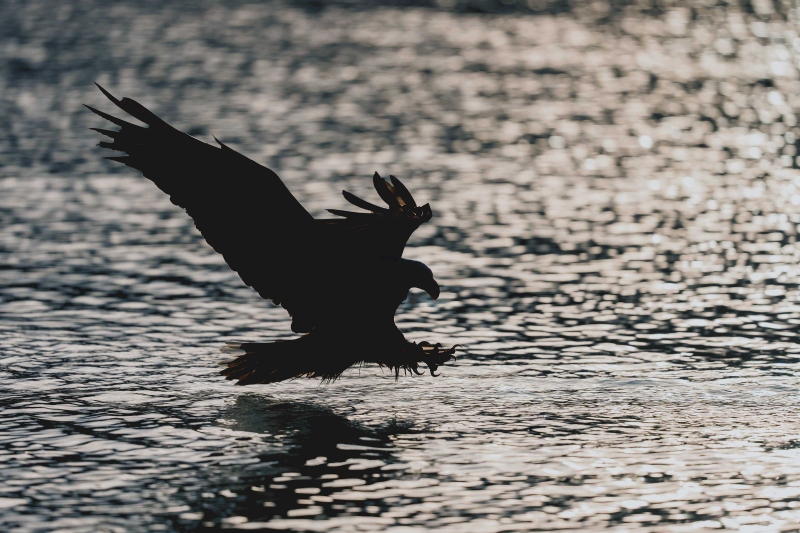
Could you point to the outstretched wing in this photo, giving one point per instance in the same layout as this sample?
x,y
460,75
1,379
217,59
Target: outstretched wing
x,y
380,231
242,209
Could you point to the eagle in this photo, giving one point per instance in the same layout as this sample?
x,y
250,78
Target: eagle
x,y
341,279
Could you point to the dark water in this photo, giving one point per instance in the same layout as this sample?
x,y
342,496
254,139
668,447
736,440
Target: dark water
x,y
617,203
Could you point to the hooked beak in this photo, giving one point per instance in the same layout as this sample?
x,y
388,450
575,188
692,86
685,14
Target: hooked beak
x,y
432,288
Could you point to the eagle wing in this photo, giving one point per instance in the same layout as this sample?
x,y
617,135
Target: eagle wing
x,y
377,232
243,210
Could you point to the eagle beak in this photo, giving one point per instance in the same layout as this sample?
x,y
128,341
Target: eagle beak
x,y
432,288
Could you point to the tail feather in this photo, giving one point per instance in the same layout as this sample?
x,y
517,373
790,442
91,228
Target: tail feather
x,y
278,361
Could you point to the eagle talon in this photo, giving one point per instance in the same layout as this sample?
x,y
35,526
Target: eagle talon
x,y
416,354
433,355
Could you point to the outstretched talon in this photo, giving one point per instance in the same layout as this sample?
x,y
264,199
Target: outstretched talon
x,y
432,355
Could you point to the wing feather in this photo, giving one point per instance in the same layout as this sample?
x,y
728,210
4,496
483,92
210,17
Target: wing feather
x,y
380,232
385,192
243,210
401,191
363,204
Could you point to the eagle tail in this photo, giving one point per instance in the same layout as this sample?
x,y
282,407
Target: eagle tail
x,y
281,360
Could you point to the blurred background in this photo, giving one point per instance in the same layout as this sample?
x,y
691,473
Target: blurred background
x,y
616,197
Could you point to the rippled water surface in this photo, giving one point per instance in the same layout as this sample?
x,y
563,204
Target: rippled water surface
x,y
617,200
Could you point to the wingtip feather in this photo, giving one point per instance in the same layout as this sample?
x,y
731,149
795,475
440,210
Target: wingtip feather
x,y
124,159
350,214
401,191
384,190
363,204
222,145
107,133
118,121
107,94
110,146
132,107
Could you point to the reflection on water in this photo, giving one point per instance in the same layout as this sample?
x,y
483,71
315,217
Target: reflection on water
x,y
312,455
616,198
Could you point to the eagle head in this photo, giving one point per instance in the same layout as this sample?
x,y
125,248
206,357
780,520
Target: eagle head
x,y
417,274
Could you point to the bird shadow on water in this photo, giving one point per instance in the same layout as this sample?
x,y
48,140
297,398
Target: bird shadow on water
x,y
309,454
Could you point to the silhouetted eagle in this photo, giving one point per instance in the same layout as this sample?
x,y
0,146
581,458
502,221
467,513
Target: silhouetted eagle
x,y
340,279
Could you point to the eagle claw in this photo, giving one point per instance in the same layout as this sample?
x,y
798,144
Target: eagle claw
x,y
432,355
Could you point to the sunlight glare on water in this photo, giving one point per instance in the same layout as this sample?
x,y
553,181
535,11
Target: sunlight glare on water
x,y
616,200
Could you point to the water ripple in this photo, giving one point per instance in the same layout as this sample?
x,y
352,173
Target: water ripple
x,y
617,201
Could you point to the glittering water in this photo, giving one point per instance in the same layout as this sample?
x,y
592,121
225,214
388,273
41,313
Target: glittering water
x,y
617,202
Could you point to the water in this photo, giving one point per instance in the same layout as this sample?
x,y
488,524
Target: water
x,y
616,202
